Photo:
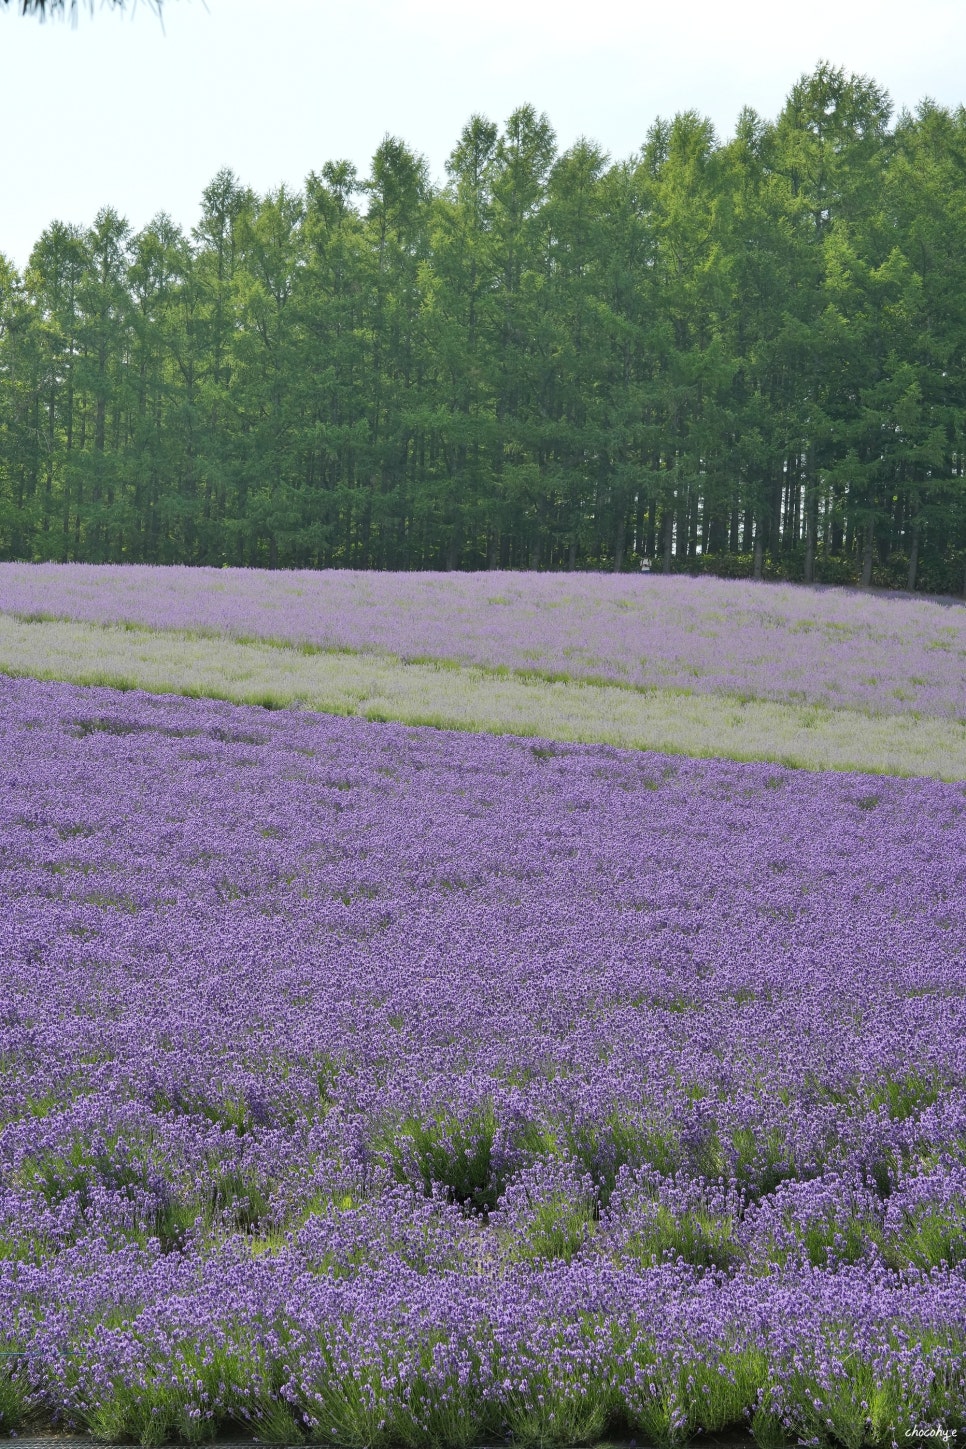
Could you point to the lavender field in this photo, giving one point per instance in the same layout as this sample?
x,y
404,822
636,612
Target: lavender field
x,y
835,648
378,1085
380,688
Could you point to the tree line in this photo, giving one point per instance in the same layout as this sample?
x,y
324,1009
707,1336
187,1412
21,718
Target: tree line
x,y
744,357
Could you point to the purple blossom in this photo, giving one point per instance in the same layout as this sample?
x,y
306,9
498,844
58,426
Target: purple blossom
x,y
383,1085
832,647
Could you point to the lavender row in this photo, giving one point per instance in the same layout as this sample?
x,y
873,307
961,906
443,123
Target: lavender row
x,y
554,1354
883,654
361,1082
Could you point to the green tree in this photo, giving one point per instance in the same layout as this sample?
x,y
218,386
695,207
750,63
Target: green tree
x,y
524,155
584,465
21,415
831,149
226,206
460,327
162,463
688,337
744,358
926,195
332,296
396,229
267,353
103,377
55,273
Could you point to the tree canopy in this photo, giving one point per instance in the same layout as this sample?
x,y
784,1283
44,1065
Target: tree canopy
x,y
746,356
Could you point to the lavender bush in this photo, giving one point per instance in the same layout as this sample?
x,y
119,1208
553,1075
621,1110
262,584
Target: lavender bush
x,y
837,648
375,1085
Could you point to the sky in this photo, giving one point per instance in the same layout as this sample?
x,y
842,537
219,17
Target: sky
x,y
117,111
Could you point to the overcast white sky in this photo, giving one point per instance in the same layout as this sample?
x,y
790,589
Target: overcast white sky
x,y
113,111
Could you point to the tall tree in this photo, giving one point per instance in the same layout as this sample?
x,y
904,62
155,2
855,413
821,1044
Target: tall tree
x,y
396,229
55,274
264,393
745,358
460,327
525,152
332,300
225,207
161,470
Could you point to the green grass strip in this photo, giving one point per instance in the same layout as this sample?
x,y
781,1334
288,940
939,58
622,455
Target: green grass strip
x,y
379,687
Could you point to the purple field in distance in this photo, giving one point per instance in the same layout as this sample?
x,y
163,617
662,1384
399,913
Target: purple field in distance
x,y
383,1085
891,655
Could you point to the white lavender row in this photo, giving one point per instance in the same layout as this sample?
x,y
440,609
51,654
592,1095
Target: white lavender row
x,y
379,687
888,655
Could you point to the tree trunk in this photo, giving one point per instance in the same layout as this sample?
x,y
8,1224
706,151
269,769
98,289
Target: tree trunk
x,y
759,555
668,538
913,559
811,520
867,556
619,539
733,532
